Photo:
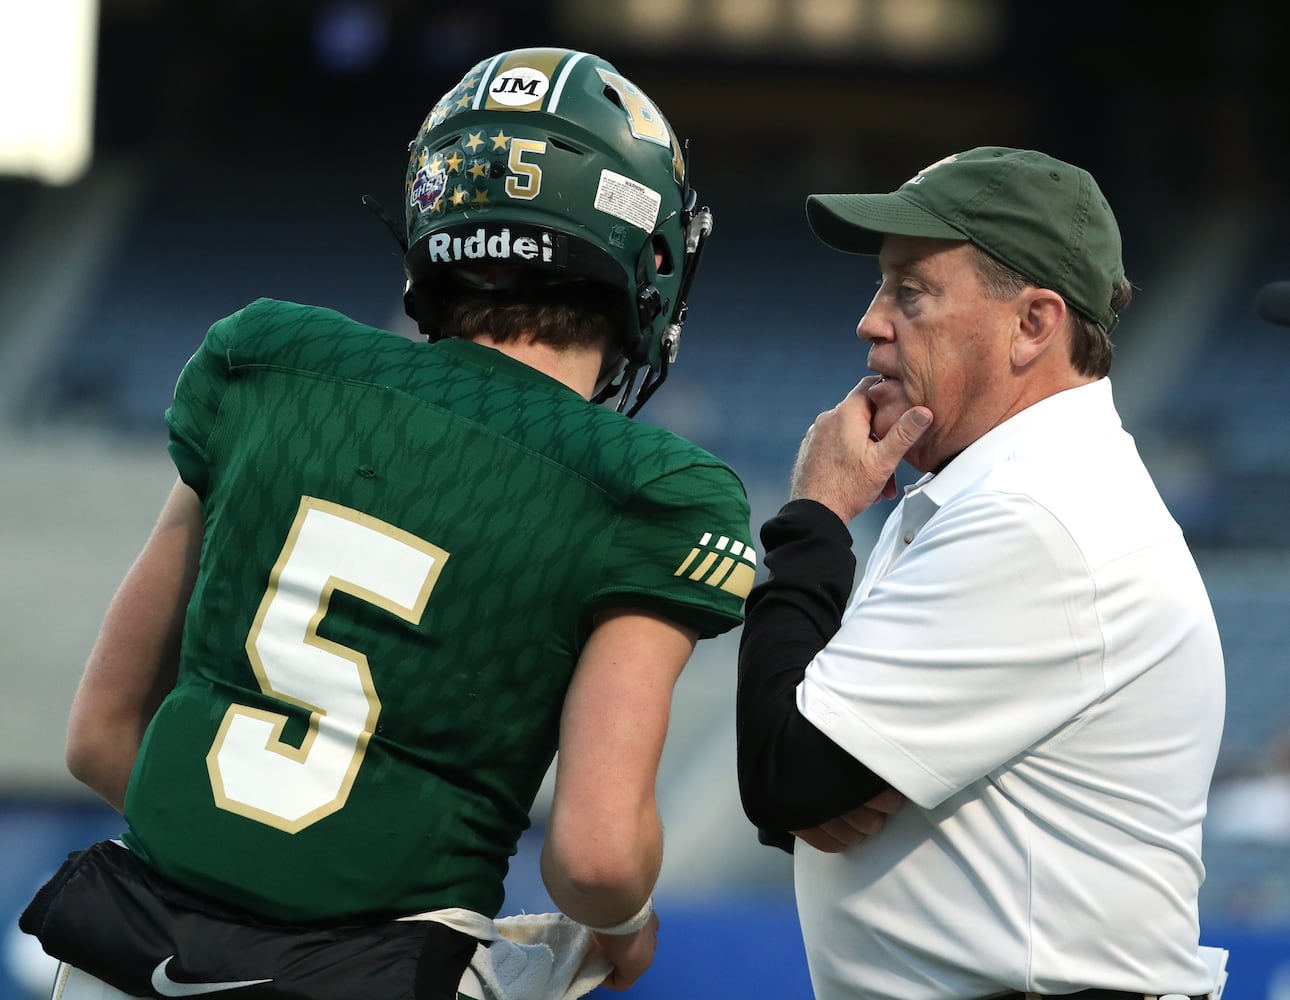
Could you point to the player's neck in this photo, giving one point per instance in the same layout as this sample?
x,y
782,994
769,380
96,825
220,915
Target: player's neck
x,y
576,367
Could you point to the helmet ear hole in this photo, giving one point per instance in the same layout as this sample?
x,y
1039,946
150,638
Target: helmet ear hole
x,y
663,255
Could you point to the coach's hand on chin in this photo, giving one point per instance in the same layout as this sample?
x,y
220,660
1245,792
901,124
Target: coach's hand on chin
x,y
843,464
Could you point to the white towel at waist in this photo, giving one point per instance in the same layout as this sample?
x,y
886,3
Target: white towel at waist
x,y
538,956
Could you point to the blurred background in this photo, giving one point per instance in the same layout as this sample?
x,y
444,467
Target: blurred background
x,y
163,164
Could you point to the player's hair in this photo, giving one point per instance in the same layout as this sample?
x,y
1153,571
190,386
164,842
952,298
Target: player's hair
x,y
1091,347
561,316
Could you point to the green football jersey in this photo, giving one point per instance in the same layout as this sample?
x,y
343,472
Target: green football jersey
x,y
405,547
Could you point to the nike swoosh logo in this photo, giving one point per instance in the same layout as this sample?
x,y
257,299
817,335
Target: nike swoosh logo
x,y
167,987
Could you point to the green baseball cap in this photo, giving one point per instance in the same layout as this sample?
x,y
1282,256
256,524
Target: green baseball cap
x,y
1045,219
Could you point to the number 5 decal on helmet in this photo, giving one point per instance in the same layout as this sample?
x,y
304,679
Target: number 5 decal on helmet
x,y
526,180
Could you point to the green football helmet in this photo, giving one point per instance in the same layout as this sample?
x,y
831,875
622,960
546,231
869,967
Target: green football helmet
x,y
550,165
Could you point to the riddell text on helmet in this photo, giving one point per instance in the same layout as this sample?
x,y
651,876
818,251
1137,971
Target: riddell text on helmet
x,y
445,247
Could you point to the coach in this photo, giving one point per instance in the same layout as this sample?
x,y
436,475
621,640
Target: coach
x,y
1028,676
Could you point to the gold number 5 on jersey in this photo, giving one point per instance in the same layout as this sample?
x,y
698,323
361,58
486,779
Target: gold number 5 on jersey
x,y
253,772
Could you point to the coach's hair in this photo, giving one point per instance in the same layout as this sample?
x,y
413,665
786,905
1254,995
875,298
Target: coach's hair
x,y
1091,347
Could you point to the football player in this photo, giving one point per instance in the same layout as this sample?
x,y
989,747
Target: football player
x,y
394,576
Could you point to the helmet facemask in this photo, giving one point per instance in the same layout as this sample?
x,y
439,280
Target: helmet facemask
x,y
651,307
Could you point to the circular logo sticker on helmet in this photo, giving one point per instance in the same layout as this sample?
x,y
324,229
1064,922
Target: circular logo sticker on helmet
x,y
518,87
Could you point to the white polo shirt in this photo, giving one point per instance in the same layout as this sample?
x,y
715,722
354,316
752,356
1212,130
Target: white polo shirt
x,y
1032,659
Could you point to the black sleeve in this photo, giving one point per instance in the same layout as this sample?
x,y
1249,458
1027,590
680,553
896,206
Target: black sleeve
x,y
792,776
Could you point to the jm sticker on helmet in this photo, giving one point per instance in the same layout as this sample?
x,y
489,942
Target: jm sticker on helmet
x,y
519,87
444,248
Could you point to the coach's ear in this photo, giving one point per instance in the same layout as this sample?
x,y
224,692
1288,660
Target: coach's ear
x,y
774,838
1041,317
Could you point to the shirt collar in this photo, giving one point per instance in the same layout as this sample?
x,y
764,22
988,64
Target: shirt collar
x,y
496,362
1084,410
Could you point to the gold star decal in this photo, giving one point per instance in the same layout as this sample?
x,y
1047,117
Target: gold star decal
x,y
464,100
422,157
459,197
500,140
478,169
481,196
436,164
475,141
454,162
470,82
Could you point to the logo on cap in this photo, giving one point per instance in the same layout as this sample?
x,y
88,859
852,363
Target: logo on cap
x,y
918,177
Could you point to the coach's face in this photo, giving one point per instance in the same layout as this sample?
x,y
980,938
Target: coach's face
x,y
938,341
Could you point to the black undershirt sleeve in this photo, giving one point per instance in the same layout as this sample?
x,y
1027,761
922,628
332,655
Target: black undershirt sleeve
x,y
792,776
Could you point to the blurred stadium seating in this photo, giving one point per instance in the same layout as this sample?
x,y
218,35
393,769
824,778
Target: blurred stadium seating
x,y
198,203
